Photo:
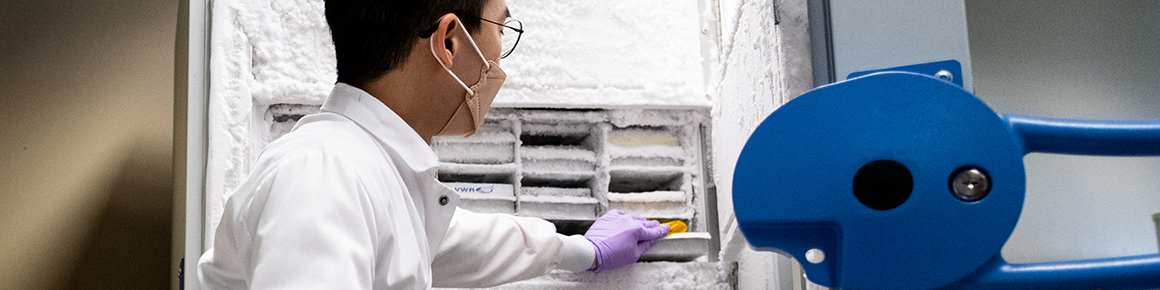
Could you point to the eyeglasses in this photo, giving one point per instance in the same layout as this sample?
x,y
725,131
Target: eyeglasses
x,y
509,36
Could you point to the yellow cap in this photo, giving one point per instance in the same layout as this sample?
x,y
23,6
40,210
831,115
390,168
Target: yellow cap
x,y
676,227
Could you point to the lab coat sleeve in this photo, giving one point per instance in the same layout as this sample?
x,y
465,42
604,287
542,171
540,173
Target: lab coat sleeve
x,y
484,250
314,229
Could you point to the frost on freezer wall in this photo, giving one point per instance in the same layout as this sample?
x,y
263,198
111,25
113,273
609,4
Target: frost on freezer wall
x,y
750,89
262,53
762,66
605,53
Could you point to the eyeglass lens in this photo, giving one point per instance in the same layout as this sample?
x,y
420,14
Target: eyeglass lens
x,y
510,36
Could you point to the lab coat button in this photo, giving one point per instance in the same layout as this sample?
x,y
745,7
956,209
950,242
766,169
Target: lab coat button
x,y
443,200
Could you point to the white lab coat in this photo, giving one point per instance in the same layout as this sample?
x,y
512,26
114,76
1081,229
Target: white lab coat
x,y
349,200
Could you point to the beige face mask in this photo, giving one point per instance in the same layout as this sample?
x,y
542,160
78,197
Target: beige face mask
x,y
469,116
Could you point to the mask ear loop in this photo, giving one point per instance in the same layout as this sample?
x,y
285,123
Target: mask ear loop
x,y
432,42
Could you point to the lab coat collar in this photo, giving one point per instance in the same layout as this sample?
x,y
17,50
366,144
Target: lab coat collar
x,y
386,126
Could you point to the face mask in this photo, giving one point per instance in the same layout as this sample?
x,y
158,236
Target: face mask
x,y
469,116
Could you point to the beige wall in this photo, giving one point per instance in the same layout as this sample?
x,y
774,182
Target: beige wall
x,y
86,107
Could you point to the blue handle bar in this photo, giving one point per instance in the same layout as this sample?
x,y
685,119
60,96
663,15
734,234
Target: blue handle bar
x,y
1106,138
1079,137
1134,272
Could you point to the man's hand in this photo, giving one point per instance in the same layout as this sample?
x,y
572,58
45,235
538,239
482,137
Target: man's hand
x,y
620,238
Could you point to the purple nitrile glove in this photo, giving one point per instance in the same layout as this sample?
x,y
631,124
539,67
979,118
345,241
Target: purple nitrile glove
x,y
620,238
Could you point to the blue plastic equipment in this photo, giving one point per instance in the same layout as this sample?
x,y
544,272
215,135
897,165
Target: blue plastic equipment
x,y
898,180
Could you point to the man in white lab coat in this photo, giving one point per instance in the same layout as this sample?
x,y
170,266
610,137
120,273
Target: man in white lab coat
x,y
349,199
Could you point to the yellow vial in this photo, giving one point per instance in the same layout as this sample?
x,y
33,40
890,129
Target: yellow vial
x,y
676,227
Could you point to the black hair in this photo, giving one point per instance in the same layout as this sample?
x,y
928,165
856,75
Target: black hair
x,y
373,37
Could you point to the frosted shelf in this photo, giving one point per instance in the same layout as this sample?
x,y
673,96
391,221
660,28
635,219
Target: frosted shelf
x,y
575,116
649,170
458,168
558,152
682,247
646,156
645,161
558,165
556,134
646,151
488,205
656,205
494,143
556,128
643,178
646,197
558,199
557,178
655,210
559,207
558,158
555,191
643,136
481,153
479,137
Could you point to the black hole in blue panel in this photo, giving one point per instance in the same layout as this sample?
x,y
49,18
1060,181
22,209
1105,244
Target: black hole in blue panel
x,y
883,184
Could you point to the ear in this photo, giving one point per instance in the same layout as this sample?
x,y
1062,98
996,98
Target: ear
x,y
445,45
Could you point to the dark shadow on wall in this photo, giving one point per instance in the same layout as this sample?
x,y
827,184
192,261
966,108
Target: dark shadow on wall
x,y
129,248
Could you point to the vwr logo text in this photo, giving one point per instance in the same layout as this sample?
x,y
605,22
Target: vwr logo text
x,y
477,189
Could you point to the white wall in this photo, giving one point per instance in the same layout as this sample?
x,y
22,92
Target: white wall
x,y
1080,60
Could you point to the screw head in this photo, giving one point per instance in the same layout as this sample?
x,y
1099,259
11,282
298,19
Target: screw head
x,y
970,184
945,75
